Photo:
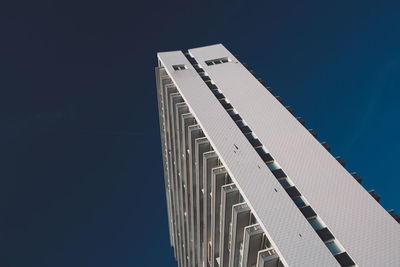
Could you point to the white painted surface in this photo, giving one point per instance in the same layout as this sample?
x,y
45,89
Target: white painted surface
x,y
364,228
279,217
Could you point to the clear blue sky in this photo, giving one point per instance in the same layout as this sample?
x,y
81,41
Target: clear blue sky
x,y
81,179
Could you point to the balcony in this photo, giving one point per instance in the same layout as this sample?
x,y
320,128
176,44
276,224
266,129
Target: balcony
x,y
290,109
313,133
245,129
344,259
278,173
268,258
327,147
266,157
325,234
341,161
308,212
292,192
357,177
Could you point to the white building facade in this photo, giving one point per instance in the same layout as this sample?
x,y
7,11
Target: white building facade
x,y
248,185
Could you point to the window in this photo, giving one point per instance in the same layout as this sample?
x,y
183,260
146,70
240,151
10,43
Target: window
x,y
240,123
217,61
245,129
223,102
211,85
205,78
179,67
250,136
260,150
285,183
316,224
273,166
216,92
308,212
333,247
293,192
231,112
236,117
299,202
219,96
252,139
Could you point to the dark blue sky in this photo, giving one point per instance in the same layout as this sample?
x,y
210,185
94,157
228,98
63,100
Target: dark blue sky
x,y
81,180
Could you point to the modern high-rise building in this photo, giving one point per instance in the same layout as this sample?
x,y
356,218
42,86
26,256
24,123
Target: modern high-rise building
x,y
248,185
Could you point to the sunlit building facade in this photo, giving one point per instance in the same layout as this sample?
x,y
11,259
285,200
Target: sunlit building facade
x,y
248,185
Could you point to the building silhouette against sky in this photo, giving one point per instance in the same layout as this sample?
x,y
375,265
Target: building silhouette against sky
x,y
248,185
